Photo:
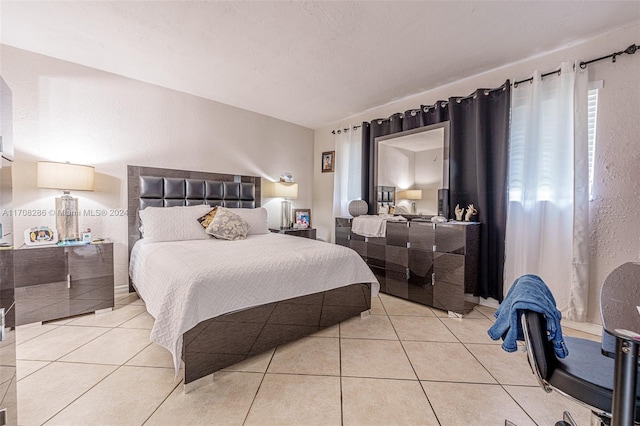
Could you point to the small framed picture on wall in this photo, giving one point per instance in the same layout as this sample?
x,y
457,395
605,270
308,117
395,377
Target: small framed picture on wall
x,y
302,218
328,158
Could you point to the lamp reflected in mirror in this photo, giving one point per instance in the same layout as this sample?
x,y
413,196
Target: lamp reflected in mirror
x,y
412,195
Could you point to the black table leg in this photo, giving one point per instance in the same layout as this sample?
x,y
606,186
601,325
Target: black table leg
x,y
624,383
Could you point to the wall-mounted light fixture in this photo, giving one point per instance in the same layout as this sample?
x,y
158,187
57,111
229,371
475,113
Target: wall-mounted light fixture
x,y
67,177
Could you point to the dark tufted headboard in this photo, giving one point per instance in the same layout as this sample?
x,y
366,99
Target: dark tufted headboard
x,y
150,186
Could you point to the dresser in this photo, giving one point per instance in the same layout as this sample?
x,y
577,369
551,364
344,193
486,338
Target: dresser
x,y
62,281
435,264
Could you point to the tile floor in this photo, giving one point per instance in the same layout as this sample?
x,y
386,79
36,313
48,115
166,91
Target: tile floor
x,y
405,364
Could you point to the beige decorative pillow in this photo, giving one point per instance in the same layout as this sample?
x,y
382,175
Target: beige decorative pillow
x,y
207,218
227,225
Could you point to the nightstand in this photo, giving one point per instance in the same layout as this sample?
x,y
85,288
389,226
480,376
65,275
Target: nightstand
x,y
305,233
61,281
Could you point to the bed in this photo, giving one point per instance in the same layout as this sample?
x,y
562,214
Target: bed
x,y
217,302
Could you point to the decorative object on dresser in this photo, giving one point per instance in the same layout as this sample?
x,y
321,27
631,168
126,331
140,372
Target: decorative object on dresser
x,y
302,218
67,177
459,212
435,264
471,211
305,233
358,207
286,190
328,158
62,281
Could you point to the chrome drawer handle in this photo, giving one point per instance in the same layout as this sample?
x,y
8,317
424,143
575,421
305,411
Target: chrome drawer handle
x,y
1,324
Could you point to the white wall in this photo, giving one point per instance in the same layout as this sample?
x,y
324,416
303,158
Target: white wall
x,y
614,230
67,112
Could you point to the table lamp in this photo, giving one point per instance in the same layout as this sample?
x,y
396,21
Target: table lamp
x,y
287,190
67,177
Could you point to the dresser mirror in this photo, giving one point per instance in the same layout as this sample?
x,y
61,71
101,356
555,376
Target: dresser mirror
x,y
416,163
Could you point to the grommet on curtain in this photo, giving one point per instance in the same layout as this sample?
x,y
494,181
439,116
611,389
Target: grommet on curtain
x,y
379,121
413,112
444,104
486,92
426,109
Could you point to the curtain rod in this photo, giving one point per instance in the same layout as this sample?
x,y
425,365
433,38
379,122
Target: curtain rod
x,y
346,129
629,51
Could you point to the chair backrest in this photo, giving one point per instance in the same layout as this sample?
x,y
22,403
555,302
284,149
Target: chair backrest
x,y
539,349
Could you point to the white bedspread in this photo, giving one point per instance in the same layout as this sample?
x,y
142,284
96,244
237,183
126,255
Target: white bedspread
x,y
186,282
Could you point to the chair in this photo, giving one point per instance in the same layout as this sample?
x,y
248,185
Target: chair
x,y
585,375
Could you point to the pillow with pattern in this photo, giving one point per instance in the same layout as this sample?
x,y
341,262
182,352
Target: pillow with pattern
x,y
227,225
207,218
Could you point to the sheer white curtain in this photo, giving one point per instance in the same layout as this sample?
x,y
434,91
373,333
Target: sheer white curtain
x,y
347,179
547,218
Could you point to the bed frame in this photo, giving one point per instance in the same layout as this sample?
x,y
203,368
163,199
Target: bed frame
x,y
227,339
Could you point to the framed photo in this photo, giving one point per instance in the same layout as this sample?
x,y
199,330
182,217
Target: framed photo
x,y
302,218
40,236
328,158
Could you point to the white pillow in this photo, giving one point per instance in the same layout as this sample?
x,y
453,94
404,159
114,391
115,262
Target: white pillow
x,y
256,218
173,223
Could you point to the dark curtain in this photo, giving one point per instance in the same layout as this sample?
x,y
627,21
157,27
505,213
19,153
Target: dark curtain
x,y
377,127
367,156
479,139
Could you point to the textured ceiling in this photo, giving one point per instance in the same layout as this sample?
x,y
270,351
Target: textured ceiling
x,y
308,62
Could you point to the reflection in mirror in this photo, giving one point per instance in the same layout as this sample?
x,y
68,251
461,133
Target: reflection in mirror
x,y
416,164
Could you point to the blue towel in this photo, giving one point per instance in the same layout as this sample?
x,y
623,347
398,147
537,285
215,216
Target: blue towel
x,y
528,292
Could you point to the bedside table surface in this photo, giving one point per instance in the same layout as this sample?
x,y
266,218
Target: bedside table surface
x,y
306,232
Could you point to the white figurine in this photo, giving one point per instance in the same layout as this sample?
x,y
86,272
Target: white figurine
x,y
471,211
459,212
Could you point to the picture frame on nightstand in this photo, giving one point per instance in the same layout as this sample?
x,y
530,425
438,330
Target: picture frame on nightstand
x,y
302,218
40,236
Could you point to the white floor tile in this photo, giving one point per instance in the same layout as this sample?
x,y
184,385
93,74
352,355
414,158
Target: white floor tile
x,y
129,396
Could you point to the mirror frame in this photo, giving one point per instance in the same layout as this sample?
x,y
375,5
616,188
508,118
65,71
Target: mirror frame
x,y
445,171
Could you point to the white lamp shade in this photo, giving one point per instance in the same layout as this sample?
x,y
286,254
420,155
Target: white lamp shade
x,y
410,194
285,189
65,176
